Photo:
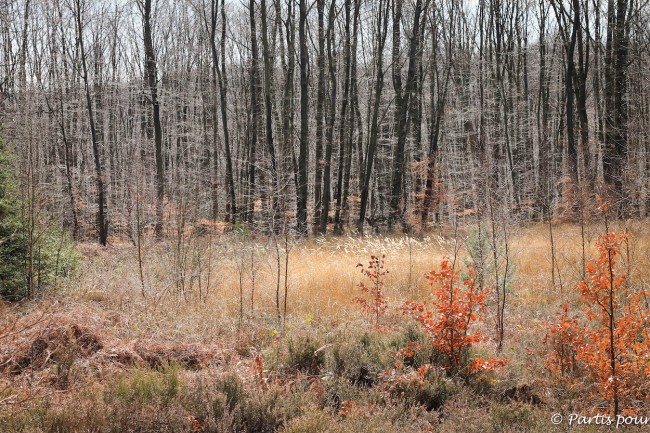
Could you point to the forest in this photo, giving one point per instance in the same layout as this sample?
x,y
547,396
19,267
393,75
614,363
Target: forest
x,y
326,117
336,216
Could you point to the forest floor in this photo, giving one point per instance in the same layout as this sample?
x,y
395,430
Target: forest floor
x,y
188,338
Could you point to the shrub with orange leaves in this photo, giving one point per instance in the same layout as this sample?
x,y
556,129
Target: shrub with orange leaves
x,y
258,368
372,299
349,407
449,324
562,338
478,365
197,426
612,346
406,354
421,373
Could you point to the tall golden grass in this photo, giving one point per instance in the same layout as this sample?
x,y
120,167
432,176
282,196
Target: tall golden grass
x,y
323,276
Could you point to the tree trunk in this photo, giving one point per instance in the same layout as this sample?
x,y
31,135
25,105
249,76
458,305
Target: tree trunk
x,y
275,184
102,221
569,76
255,116
402,104
152,78
343,123
331,115
303,158
223,89
382,31
289,162
320,165
616,53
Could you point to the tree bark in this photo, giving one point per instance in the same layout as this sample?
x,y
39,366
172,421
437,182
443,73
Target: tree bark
x,y
329,129
303,158
402,103
254,117
320,165
616,53
275,184
102,220
152,81
343,122
382,31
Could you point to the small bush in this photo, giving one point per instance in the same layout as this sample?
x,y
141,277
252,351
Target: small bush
x,y
449,322
362,358
28,264
258,413
426,353
365,418
610,345
314,421
146,400
232,388
429,389
237,409
372,299
303,355
515,418
82,412
337,391
146,386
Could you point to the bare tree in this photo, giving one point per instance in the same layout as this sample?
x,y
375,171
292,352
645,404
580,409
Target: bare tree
x,y
340,111
303,158
102,221
151,78
382,31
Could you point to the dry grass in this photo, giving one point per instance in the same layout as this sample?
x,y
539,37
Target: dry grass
x,y
79,343
323,277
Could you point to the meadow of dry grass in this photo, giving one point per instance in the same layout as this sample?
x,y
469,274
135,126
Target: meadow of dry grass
x,y
174,349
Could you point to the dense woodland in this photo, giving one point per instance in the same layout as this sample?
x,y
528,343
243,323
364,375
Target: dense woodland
x,y
321,115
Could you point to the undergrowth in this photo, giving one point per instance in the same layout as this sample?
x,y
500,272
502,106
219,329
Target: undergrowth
x,y
410,360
